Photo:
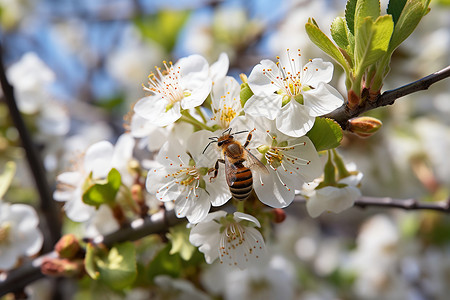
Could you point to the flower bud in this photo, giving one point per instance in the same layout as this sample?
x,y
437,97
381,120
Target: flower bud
x,y
364,126
62,267
68,246
278,215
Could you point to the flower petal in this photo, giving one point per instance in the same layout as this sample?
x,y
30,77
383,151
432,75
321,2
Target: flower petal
x,y
219,69
294,119
259,83
271,191
98,159
322,100
317,71
263,106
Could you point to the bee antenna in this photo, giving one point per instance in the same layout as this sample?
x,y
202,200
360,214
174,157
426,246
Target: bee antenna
x,y
213,141
243,131
227,131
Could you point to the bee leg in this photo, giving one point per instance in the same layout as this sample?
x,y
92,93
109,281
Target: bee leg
x,y
249,138
215,169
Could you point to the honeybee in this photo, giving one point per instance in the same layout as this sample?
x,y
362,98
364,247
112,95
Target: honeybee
x,y
239,175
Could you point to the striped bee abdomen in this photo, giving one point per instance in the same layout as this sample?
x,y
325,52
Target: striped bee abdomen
x,y
243,182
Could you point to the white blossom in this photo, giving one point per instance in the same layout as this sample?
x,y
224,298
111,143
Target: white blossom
x,y
231,238
332,198
98,160
180,177
289,161
31,79
19,233
181,86
225,104
292,94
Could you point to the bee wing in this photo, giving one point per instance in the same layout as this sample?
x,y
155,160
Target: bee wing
x,y
253,163
230,171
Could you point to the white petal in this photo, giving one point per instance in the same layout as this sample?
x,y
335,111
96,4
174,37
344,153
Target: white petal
x,y
219,69
271,191
352,180
193,66
314,206
258,82
70,178
24,216
294,119
322,100
153,108
317,71
305,166
162,186
123,151
78,211
196,143
98,159
200,208
263,106
238,216
8,258
199,91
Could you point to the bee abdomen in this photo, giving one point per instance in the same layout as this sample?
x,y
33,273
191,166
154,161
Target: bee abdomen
x,y
243,185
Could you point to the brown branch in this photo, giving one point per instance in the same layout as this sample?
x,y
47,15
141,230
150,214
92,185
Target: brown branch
x,y
343,114
387,202
49,210
158,223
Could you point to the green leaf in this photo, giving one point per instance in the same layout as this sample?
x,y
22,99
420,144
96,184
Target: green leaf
x,y
6,177
165,264
325,134
365,9
103,192
163,27
245,93
325,44
116,267
372,40
179,236
89,261
412,13
350,9
395,8
339,32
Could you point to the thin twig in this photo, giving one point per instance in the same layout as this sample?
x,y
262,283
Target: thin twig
x,y
343,114
29,272
387,202
49,210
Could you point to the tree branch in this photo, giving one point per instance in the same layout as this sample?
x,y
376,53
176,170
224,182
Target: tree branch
x,y
31,271
49,210
387,202
343,114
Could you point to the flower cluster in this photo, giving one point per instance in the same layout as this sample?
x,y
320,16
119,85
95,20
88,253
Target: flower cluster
x,y
213,145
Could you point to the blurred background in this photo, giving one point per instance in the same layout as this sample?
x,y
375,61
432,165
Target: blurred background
x,y
78,66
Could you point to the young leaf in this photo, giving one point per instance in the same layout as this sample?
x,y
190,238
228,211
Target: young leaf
x,y
364,9
350,9
6,177
412,13
325,134
339,32
103,193
395,8
165,264
163,27
372,40
179,236
117,269
245,93
325,44
89,261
